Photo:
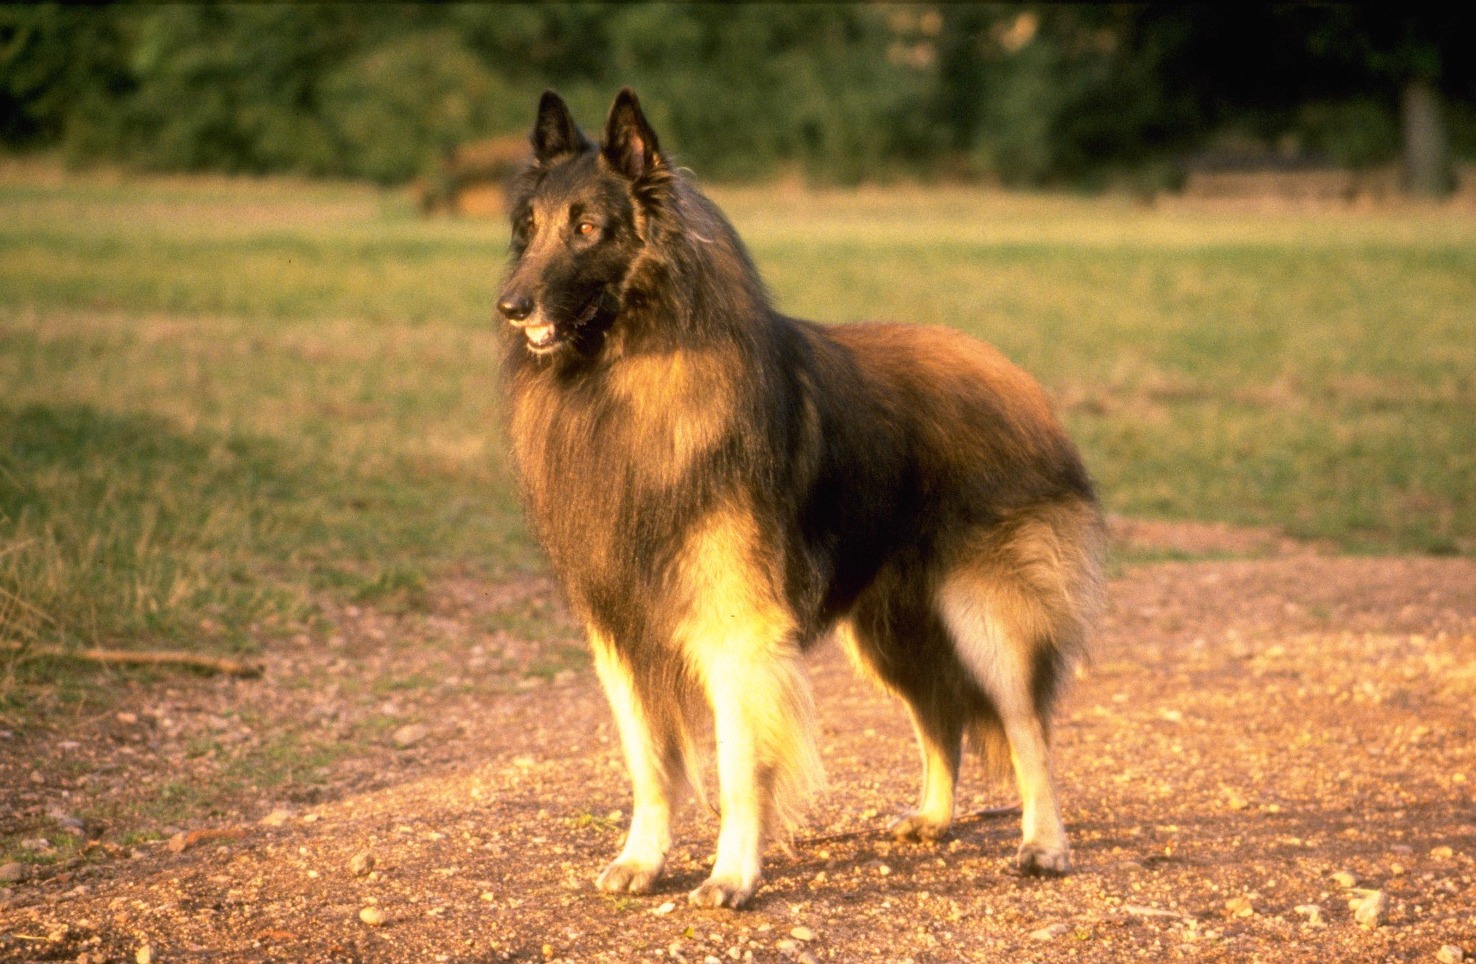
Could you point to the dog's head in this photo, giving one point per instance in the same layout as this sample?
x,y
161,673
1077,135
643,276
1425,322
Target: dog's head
x,y
578,226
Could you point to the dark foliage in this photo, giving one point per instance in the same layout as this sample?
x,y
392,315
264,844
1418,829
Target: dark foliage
x,y
1022,93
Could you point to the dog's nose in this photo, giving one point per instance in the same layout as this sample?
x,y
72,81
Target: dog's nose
x,y
515,307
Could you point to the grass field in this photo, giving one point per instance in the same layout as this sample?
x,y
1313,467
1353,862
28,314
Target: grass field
x,y
221,399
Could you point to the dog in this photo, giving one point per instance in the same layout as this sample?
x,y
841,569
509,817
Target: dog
x,y
718,486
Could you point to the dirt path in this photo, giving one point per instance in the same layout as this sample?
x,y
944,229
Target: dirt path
x,y
1248,731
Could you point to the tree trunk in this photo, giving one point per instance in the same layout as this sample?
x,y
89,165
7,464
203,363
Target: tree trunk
x,y
1429,170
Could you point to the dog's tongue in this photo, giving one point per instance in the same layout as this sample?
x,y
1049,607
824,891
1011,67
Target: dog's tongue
x,y
539,335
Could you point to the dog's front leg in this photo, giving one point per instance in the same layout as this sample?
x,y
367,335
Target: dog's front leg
x,y
743,791
654,762
766,762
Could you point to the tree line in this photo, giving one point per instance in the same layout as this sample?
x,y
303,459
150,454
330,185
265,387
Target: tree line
x,y
1022,94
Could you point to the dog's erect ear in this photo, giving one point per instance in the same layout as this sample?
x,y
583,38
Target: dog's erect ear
x,y
630,144
555,133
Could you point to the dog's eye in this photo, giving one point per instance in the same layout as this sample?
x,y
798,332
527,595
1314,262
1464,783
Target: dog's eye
x,y
584,228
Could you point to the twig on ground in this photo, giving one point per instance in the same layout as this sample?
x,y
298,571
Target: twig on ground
x,y
152,657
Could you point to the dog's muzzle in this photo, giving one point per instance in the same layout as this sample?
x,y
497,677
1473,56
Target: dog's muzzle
x,y
542,335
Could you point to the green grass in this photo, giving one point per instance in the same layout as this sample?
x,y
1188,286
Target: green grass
x,y
214,404
220,399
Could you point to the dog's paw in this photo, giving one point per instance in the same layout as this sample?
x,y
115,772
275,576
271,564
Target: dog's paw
x,y
1035,860
918,828
628,877
721,892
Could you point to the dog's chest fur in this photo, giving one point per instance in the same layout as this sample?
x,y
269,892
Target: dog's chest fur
x,y
618,463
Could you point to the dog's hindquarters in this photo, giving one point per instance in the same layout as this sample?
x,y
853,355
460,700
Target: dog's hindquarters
x,y
982,605
979,644
1017,606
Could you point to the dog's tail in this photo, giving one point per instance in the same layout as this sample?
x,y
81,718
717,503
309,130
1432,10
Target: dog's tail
x,y
1020,607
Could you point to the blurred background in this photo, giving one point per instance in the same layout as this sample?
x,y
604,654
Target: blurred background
x,y
1149,97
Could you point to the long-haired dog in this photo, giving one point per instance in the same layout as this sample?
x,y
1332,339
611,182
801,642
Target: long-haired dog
x,y
718,486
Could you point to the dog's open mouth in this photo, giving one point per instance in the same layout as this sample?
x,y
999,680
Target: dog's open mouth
x,y
542,338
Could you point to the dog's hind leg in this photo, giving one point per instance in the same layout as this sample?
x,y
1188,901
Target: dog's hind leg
x,y
939,730
923,670
992,627
655,759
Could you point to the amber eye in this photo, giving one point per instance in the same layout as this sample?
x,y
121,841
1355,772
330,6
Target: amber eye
x,y
584,229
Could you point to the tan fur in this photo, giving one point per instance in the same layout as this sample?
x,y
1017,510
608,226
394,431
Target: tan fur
x,y
845,637
972,391
1025,590
1040,572
532,425
1033,581
658,785
740,640
531,409
679,402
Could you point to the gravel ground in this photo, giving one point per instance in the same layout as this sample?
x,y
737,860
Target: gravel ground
x,y
1261,753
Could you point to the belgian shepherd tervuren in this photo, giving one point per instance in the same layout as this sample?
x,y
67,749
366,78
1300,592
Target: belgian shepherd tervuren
x,y
718,486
